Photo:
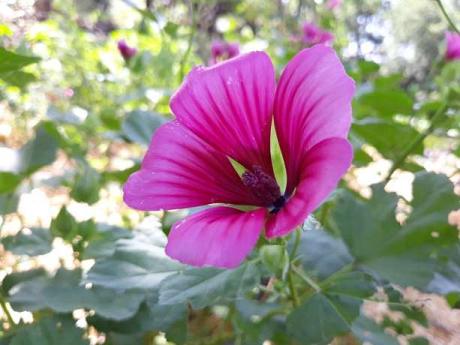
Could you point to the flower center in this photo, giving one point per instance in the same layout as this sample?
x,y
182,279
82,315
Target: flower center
x,y
264,188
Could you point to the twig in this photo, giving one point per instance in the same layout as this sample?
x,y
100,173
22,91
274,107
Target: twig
x,y
444,12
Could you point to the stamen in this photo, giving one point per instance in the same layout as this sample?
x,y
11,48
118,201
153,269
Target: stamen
x,y
263,186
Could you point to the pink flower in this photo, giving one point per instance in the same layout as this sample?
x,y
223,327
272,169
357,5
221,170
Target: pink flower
x,y
313,34
226,111
125,50
68,92
221,50
332,4
453,46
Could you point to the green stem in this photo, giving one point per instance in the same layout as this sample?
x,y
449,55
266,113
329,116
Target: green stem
x,y
298,235
2,223
290,277
293,291
399,162
444,12
6,311
184,59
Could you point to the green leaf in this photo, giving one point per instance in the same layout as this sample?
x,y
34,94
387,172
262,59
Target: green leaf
x,y
8,203
11,61
379,243
446,280
367,331
207,286
254,329
320,319
419,341
17,78
38,152
63,117
389,82
36,242
15,278
50,330
368,67
387,103
389,138
140,125
103,243
170,319
136,263
64,293
119,176
279,167
8,182
87,184
64,225
322,254
331,313
171,29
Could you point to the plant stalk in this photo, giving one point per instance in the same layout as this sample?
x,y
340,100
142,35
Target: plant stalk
x,y
446,15
290,277
6,311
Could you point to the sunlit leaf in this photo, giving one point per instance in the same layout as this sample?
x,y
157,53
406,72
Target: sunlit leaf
x,y
8,182
11,61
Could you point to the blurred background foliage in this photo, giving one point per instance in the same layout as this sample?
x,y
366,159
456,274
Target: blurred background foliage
x,y
78,267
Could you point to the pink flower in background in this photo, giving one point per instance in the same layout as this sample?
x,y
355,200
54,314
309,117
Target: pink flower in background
x,y
332,4
221,50
125,50
453,46
313,34
68,92
226,111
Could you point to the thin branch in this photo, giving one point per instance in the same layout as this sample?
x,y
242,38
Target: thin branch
x,y
446,15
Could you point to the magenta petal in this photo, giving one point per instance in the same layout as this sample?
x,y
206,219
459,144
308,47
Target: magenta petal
x,y
452,46
312,103
180,170
229,105
323,166
219,237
